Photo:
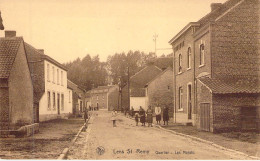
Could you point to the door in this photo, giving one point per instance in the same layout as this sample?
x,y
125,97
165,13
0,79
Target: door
x,y
58,103
249,120
189,102
205,116
36,113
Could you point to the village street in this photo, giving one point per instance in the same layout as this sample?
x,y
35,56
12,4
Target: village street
x,y
126,141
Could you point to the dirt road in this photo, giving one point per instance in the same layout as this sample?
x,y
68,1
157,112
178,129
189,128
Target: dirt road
x,y
128,141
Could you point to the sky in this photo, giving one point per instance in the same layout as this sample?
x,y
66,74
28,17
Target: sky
x,y
68,29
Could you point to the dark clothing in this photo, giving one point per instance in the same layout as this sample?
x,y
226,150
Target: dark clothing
x,y
166,114
142,116
158,117
149,116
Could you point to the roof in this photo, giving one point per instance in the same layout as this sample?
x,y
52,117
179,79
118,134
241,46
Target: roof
x,y
102,89
162,62
141,78
212,16
35,55
169,68
231,86
8,51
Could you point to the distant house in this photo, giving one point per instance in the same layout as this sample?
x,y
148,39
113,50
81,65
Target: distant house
x,y
16,88
216,69
78,98
105,97
160,90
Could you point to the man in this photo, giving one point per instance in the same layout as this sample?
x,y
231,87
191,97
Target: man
x,y
1,23
158,112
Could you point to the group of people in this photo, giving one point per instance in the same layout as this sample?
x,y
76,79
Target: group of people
x,y
147,116
93,108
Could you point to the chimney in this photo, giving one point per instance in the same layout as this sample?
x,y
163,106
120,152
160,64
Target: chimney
x,y
215,6
9,33
41,51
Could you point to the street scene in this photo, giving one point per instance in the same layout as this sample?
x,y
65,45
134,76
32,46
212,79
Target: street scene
x,y
135,80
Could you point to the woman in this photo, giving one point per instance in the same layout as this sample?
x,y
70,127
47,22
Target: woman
x,y
165,115
113,118
158,112
86,115
149,113
142,115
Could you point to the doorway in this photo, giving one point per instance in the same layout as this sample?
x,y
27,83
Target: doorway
x,y
189,102
58,103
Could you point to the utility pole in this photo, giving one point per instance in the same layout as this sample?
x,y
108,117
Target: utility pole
x,y
128,86
154,39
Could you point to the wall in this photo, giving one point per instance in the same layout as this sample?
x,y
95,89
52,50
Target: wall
x,y
160,91
4,108
136,102
227,110
236,41
53,86
185,77
20,90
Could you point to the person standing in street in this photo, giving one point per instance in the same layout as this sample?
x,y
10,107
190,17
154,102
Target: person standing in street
x,y
142,115
132,112
113,118
165,115
158,112
86,115
149,113
136,118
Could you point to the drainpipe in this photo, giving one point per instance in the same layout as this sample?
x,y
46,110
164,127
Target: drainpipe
x,y
194,80
174,86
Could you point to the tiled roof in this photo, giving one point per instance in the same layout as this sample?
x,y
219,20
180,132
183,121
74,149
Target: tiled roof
x,y
34,55
162,63
141,78
231,86
215,14
8,51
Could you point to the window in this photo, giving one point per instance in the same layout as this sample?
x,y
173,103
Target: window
x,y
53,74
62,102
180,63
189,58
49,100
69,97
103,97
202,54
61,77
97,97
168,87
58,76
54,101
180,98
48,72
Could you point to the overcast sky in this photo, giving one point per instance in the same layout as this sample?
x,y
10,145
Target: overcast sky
x,y
67,29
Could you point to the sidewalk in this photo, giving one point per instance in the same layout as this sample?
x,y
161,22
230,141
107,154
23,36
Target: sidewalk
x,y
248,143
54,136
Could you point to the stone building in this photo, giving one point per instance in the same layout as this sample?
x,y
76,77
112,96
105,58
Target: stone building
x,y
78,98
160,90
16,88
105,97
216,68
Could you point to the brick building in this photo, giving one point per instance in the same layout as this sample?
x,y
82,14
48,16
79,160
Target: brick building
x,y
105,97
16,88
216,68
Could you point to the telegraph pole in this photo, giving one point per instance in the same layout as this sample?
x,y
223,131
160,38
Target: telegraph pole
x,y
154,39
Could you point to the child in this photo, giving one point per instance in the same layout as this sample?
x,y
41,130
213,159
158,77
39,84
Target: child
x,y
113,118
136,118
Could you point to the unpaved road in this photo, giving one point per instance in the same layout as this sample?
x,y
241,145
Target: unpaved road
x,y
127,141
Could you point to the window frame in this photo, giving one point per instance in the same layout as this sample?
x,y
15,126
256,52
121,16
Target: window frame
x,y
180,63
189,58
49,100
180,108
202,55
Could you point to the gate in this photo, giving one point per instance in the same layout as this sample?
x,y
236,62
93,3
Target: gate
x,y
205,116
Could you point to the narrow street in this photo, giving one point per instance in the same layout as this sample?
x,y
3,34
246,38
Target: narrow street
x,y
127,141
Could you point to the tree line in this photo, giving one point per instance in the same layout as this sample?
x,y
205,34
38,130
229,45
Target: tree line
x,y
89,72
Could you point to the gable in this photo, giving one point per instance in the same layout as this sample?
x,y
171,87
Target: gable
x,y
8,51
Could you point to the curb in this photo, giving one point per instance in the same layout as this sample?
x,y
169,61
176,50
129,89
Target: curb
x,y
65,151
205,141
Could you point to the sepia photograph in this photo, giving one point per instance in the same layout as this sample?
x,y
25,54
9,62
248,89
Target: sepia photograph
x,y
130,80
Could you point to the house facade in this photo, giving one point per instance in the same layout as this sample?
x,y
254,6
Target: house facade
x,y
216,63
78,98
16,88
105,97
160,90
